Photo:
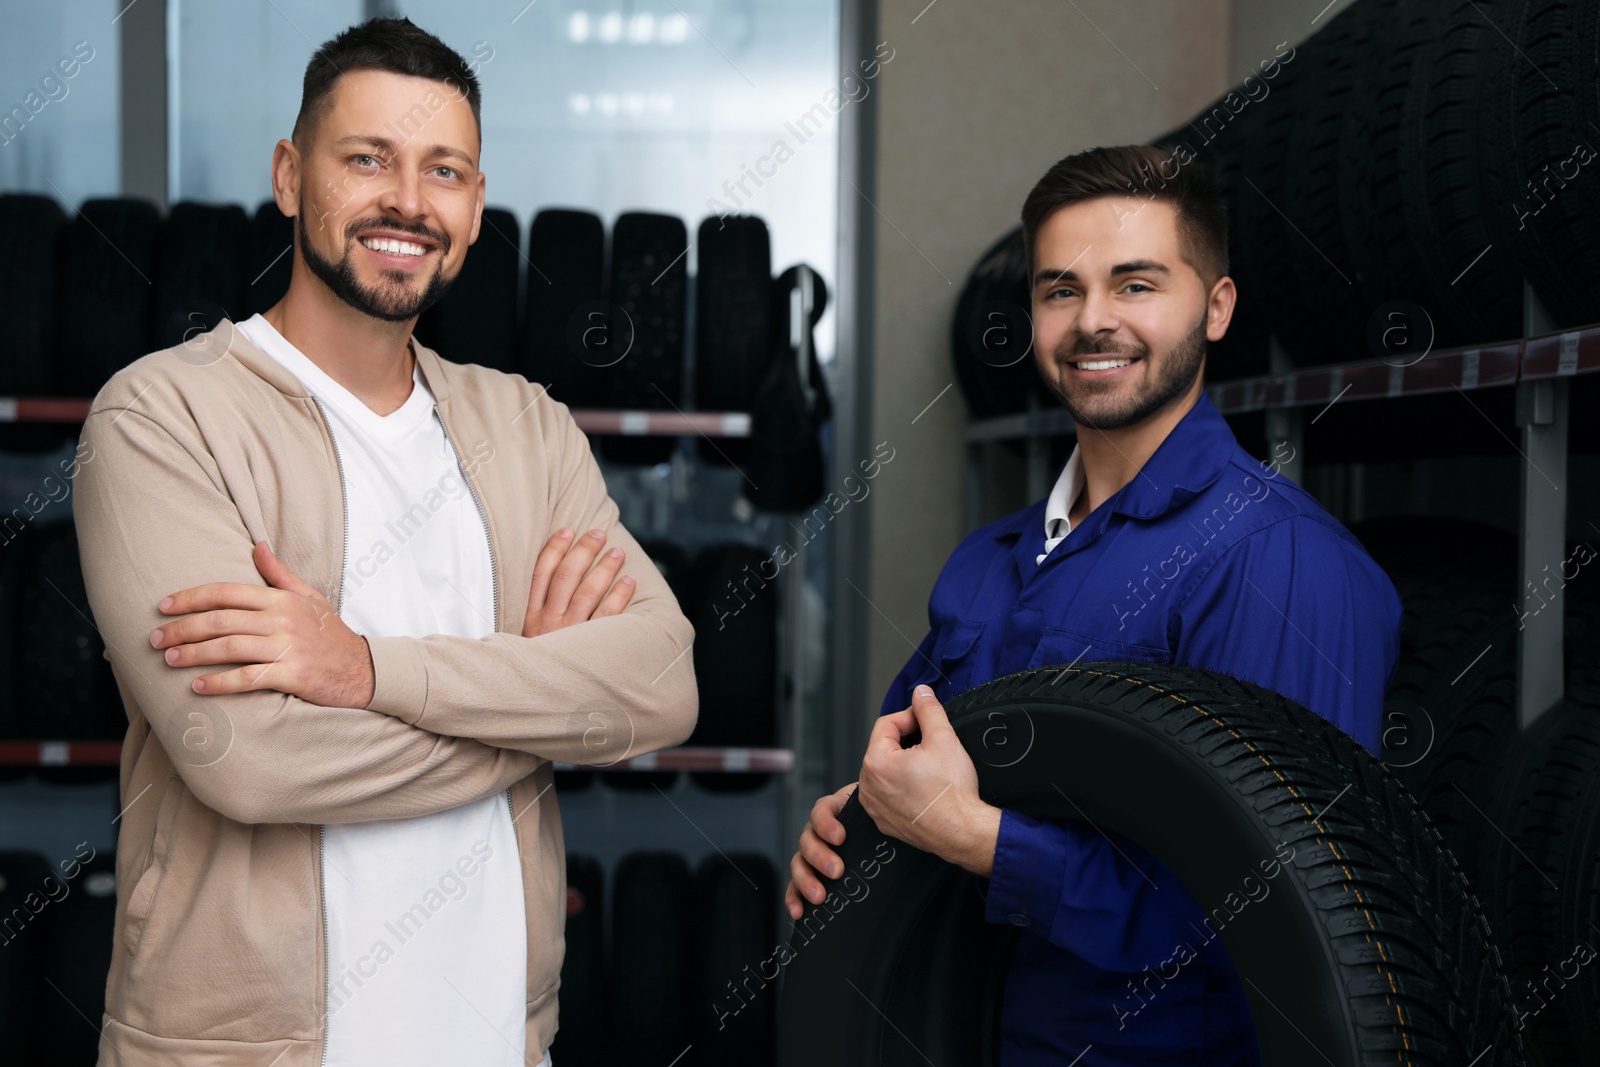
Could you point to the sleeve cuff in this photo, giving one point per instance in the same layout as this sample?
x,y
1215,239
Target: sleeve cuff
x,y
1030,862
399,678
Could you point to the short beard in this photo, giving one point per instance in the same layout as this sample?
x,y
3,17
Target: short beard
x,y
394,303
1175,374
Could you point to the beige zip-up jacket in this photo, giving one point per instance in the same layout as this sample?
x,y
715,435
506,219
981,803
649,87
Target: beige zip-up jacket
x,y
189,456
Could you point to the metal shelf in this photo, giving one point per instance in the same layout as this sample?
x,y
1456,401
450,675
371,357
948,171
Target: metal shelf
x,y
1483,367
60,753
1558,354
731,760
1043,422
663,424
43,409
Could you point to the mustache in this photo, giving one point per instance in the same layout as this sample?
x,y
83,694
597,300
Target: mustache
x,y
433,237
1071,353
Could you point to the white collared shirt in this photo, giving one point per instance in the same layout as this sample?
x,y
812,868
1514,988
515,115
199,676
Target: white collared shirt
x,y
1056,523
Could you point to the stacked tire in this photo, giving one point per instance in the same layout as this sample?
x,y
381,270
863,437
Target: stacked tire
x,y
54,955
1450,709
62,683
1410,154
1414,129
103,300
1520,810
478,315
991,334
35,227
599,327
682,976
734,608
1540,853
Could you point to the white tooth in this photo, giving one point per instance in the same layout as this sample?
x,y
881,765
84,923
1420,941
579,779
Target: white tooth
x,y
393,246
1103,364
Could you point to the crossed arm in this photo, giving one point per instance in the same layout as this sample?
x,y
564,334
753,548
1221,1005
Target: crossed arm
x,y
498,707
287,636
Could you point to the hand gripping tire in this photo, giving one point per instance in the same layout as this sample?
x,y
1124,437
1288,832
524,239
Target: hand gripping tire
x,y
1372,950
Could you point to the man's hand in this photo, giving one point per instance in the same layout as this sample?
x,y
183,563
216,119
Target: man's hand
x,y
288,636
815,855
566,591
927,795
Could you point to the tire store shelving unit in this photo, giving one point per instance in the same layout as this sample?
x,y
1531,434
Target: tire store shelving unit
x,y
675,855
1536,368
1412,216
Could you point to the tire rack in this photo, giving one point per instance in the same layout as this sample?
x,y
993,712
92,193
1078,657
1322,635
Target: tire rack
x,y
1537,365
791,671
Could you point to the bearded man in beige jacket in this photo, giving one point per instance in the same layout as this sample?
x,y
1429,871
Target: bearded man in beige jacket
x,y
357,598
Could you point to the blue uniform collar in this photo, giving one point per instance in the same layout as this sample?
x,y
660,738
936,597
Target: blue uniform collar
x,y
1185,464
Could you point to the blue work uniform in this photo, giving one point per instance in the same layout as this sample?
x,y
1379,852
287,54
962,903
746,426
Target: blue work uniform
x,y
1206,558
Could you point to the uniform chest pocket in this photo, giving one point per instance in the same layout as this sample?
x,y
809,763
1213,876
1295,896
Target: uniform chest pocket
x,y
954,654
1059,647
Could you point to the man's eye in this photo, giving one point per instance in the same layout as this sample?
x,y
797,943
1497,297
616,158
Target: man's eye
x,y
1058,292
362,159
1139,285
448,172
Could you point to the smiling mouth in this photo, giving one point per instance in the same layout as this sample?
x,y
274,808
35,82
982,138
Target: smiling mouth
x,y
1100,362
395,247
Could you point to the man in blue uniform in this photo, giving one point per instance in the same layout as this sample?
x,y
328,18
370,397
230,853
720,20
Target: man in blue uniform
x,y
1162,541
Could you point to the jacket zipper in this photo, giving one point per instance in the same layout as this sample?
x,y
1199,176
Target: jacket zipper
x,y
322,830
494,585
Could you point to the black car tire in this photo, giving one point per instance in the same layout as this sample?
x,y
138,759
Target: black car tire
x,y
1373,949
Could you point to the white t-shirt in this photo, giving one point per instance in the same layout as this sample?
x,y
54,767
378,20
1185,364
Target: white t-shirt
x,y
427,936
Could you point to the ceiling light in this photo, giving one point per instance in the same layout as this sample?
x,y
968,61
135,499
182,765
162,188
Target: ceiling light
x,y
674,29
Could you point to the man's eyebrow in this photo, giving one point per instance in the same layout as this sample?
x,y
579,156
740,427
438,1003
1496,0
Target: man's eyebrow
x,y
383,144
1137,266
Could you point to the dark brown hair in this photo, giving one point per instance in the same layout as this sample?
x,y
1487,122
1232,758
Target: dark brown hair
x,y
1169,175
396,45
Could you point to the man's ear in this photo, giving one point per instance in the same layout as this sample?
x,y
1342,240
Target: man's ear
x,y
1219,308
287,174
477,211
